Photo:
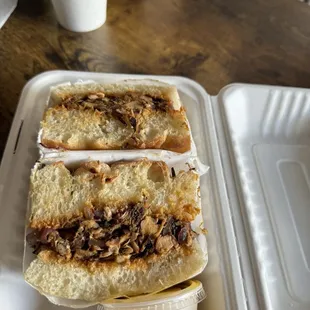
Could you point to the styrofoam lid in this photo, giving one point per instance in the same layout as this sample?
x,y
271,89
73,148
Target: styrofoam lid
x,y
269,137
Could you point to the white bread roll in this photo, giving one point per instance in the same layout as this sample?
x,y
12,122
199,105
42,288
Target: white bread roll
x,y
136,114
58,200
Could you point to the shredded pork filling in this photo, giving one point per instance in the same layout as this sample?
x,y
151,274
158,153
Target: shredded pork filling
x,y
103,236
124,108
129,109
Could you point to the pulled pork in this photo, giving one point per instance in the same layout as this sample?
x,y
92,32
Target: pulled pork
x,y
130,101
124,108
103,236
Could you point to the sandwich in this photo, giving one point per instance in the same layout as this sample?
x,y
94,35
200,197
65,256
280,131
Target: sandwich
x,y
136,114
101,231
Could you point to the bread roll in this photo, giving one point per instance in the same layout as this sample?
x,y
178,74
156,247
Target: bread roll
x,y
128,115
103,231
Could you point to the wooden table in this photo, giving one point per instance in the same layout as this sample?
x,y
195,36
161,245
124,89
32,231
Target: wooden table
x,y
215,42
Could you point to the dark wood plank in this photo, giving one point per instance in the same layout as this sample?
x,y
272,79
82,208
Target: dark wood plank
x,y
215,42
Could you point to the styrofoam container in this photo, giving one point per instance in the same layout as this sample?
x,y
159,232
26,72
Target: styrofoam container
x,y
256,139
80,15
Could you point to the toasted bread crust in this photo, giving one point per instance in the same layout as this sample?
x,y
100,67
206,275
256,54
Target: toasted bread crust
x,y
174,144
65,220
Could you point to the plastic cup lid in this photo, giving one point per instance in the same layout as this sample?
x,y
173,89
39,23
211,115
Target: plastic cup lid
x,y
182,295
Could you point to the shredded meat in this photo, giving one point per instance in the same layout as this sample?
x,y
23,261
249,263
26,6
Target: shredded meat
x,y
123,107
135,246
89,224
164,244
126,234
126,250
84,254
133,122
136,214
107,214
149,226
128,109
88,213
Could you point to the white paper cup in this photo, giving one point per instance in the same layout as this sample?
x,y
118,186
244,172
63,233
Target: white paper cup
x,y
80,15
185,296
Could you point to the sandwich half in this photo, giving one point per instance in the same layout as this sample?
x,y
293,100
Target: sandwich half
x,y
136,114
101,231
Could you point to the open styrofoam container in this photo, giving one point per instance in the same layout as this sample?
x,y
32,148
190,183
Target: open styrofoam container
x,y
256,139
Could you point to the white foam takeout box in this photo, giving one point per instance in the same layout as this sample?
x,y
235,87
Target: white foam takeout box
x,y
255,198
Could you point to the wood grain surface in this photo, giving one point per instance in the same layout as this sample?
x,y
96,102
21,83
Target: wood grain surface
x,y
215,42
